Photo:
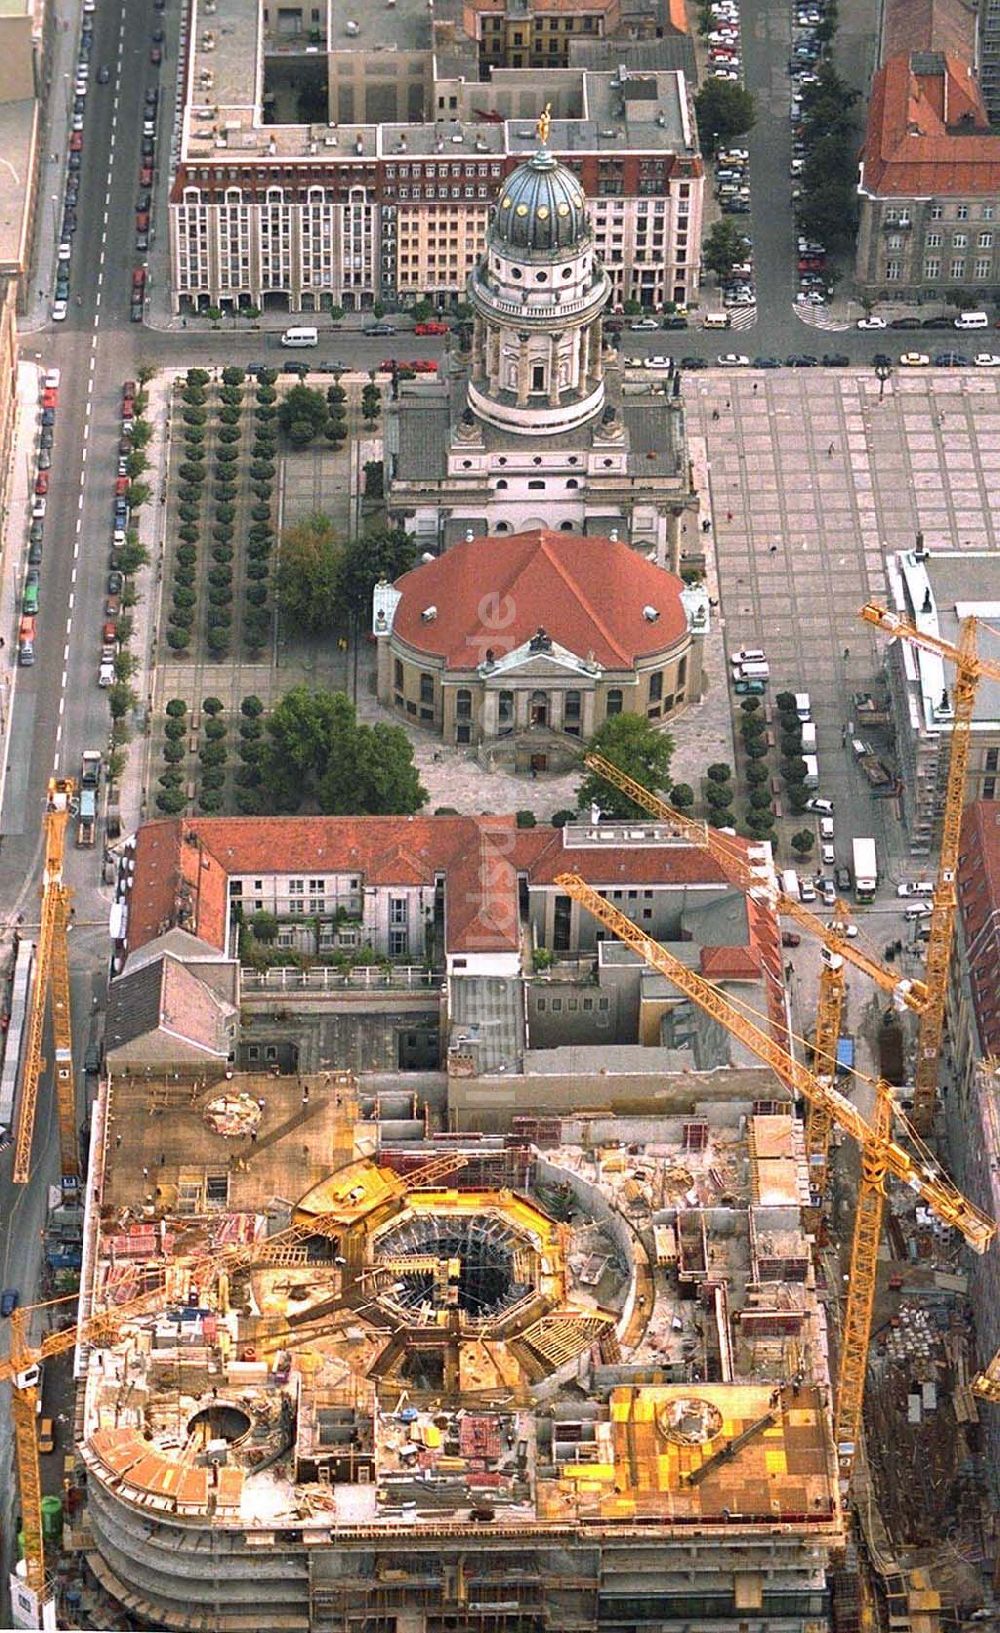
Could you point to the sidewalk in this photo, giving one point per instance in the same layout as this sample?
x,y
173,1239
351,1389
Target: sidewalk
x,y
54,138
15,547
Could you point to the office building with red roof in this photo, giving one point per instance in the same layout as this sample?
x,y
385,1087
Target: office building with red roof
x,y
929,183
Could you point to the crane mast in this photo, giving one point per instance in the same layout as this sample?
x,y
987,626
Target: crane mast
x,y
969,668
881,1155
51,982
732,860
738,871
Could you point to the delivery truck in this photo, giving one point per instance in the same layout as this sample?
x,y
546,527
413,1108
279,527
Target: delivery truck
x,y
865,870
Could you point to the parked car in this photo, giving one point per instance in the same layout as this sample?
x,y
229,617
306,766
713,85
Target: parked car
x,y
822,807
872,323
10,1298
431,326
790,938
905,323
732,360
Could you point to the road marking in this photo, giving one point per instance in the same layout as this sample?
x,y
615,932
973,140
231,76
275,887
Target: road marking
x,y
62,705
65,660
64,674
79,526
79,501
72,576
72,598
58,741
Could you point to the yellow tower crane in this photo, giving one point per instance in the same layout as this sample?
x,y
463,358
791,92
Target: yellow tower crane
x,y
969,668
881,1155
51,977
732,859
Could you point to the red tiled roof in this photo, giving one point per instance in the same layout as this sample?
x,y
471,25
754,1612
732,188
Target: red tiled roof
x,y
495,593
979,907
729,963
928,133
929,25
181,869
541,853
188,862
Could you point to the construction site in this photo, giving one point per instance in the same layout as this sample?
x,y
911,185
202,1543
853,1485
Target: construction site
x,y
680,1334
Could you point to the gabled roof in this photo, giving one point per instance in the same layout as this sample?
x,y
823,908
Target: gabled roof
x,y
496,593
164,996
928,134
929,25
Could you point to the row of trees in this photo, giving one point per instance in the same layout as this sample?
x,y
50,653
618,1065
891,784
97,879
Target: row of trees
x,y
304,414
827,210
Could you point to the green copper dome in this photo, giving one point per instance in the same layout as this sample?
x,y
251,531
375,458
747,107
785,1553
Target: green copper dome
x,y
541,208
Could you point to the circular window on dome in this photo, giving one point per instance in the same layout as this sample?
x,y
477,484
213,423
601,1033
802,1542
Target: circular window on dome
x,y
522,209
541,277
506,204
543,212
578,200
567,272
563,209
515,272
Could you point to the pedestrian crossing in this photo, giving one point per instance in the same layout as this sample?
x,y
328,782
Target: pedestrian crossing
x,y
819,317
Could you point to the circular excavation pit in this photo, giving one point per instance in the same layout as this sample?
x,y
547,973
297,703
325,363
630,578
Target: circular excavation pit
x,y
220,1421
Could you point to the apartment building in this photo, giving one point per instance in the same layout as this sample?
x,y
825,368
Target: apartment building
x,y
929,184
316,174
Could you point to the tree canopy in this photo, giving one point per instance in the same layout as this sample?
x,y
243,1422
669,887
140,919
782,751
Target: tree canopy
x,y
724,247
635,747
724,110
365,560
302,415
315,753
305,583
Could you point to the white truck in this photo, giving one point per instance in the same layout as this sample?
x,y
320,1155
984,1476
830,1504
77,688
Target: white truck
x,y
865,870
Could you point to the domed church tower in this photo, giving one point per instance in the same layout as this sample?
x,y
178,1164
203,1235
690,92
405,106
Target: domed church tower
x,y
537,294
535,428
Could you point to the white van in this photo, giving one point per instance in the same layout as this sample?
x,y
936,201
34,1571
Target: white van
x,y
812,771
803,706
972,320
826,828
808,738
752,671
300,337
715,320
807,890
790,883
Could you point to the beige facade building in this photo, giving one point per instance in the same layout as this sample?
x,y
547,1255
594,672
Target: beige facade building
x,y
936,590
338,157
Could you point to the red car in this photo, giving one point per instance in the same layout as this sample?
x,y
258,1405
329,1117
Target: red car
x,y
387,365
421,365
42,482
812,263
50,397
431,327
146,176
128,389
128,408
76,142
121,487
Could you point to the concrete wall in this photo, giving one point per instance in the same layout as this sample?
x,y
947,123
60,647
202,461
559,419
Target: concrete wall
x,y
489,1103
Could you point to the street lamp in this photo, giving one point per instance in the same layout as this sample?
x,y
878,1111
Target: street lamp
x,y
883,370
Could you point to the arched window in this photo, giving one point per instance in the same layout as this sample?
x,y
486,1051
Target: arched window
x,y
505,713
501,483
503,527
566,527
614,701
572,483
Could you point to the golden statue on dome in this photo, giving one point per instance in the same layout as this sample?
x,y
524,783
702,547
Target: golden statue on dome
x,y
544,124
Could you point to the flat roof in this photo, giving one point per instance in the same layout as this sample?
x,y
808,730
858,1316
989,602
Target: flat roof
x,y
18,134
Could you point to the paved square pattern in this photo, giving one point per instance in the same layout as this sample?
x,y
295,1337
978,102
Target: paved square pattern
x,y
812,482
